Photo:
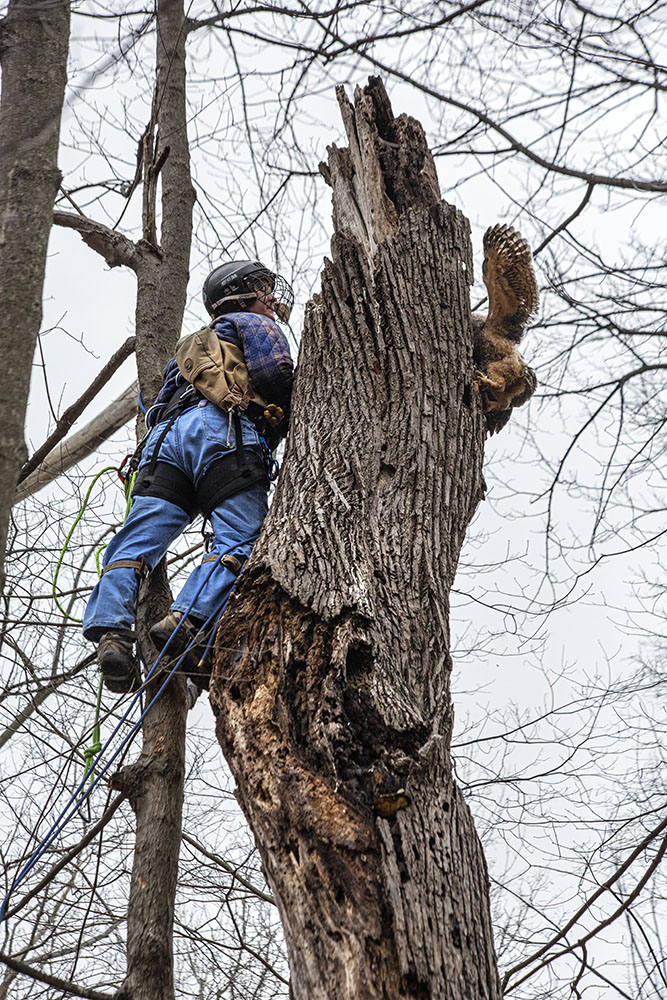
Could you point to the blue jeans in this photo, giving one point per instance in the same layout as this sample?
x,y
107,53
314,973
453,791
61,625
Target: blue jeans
x,y
197,438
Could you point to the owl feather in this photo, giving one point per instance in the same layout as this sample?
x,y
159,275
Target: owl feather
x,y
504,379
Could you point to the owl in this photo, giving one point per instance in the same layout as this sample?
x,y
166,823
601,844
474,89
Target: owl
x,y
503,377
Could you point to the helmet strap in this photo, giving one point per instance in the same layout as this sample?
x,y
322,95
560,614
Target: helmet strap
x,y
244,300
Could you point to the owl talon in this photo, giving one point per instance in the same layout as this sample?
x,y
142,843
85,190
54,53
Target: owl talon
x,y
482,379
490,390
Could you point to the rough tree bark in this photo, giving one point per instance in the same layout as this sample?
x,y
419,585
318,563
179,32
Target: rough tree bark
x,y
33,88
334,711
154,783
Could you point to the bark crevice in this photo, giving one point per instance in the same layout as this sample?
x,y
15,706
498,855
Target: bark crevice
x,y
334,708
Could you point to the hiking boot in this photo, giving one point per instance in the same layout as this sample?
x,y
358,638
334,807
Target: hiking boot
x,y
188,638
119,666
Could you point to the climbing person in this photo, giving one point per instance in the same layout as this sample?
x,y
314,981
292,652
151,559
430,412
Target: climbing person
x,y
222,410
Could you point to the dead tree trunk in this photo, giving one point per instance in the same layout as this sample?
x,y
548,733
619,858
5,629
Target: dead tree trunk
x,y
334,711
33,88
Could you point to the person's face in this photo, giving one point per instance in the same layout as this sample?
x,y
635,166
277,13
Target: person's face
x,y
265,301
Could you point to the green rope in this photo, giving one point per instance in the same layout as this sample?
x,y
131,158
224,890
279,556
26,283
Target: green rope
x,y
129,486
108,468
91,752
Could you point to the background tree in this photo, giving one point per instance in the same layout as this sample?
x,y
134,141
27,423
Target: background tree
x,y
32,96
546,116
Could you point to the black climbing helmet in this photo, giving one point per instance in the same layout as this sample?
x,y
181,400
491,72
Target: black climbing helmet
x,y
240,282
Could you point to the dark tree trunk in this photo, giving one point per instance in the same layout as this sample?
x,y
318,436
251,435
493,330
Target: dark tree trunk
x,y
33,88
334,711
162,287
154,786
155,781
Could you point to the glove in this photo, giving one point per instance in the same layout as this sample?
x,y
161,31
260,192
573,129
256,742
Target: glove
x,y
273,415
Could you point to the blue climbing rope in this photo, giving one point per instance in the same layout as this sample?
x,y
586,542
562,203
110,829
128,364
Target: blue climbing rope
x,y
82,792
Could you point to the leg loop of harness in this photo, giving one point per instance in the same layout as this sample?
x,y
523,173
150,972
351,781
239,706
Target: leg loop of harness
x,y
140,567
166,482
232,563
228,476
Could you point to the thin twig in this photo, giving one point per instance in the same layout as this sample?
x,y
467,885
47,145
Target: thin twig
x,y
61,984
74,411
230,869
592,899
72,853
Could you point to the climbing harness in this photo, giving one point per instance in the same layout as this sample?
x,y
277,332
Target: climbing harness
x,y
140,567
182,399
224,478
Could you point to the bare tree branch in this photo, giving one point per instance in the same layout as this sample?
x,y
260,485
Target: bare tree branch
x,y
230,869
69,856
592,899
40,696
73,412
61,984
113,246
82,444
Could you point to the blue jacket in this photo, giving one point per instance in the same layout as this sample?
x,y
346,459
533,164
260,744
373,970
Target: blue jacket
x,y
267,357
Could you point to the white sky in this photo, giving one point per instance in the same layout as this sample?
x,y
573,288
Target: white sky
x,y
88,313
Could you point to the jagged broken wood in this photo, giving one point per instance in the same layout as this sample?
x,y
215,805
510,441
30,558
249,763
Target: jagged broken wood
x,y
334,708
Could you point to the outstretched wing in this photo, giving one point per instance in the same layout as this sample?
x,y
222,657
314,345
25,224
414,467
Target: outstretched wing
x,y
510,281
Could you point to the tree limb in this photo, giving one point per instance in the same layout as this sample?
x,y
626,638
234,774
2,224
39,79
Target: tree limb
x,y
39,696
66,858
629,183
566,222
592,899
61,984
113,246
82,444
73,412
625,905
230,869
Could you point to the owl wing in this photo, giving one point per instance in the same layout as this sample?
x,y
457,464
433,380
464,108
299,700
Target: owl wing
x,y
496,420
510,281
529,381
